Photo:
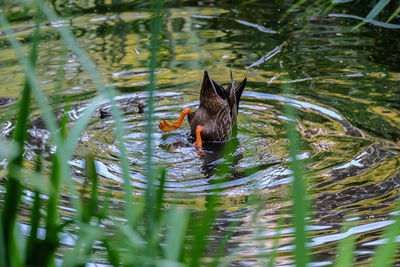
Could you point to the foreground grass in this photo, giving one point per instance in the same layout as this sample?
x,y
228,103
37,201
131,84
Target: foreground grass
x,y
128,243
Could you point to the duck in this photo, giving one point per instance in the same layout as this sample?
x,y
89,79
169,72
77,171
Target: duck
x,y
216,115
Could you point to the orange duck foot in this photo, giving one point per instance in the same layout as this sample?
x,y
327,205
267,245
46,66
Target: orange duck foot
x,y
199,143
167,126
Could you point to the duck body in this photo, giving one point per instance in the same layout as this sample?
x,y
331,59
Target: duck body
x,y
216,127
218,109
216,114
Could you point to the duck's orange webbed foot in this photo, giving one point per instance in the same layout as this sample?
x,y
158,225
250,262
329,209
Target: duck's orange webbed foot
x,y
199,143
167,126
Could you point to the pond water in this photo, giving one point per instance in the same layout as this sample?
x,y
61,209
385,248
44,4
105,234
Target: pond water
x,y
343,84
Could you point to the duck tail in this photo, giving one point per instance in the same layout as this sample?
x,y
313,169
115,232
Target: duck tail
x,y
239,91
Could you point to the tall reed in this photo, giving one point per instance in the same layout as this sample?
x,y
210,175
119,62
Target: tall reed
x,y
13,186
136,242
300,202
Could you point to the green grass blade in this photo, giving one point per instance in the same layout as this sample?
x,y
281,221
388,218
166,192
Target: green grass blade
x,y
177,225
299,209
89,206
328,8
202,226
133,237
373,13
3,248
377,9
64,120
8,150
230,258
94,179
395,13
79,256
81,124
47,114
224,243
201,230
13,187
160,194
299,198
112,254
33,241
155,44
345,251
53,226
293,7
385,253
108,93
52,223
17,248
341,1
277,237
30,179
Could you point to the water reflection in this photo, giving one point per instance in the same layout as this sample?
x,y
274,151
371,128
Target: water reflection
x,y
343,85
221,155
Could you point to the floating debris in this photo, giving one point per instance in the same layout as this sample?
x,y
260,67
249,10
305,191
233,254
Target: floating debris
x,y
265,58
258,27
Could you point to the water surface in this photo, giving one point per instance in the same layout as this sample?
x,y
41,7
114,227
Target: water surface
x,y
343,84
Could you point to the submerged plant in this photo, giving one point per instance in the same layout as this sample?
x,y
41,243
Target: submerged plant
x,y
378,7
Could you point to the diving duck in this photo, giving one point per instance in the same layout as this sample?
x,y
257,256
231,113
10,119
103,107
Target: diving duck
x,y
216,115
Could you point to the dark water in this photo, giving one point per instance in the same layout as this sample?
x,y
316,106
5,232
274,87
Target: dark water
x,y
344,85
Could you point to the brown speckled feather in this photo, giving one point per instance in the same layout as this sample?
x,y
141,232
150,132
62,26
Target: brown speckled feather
x,y
218,109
